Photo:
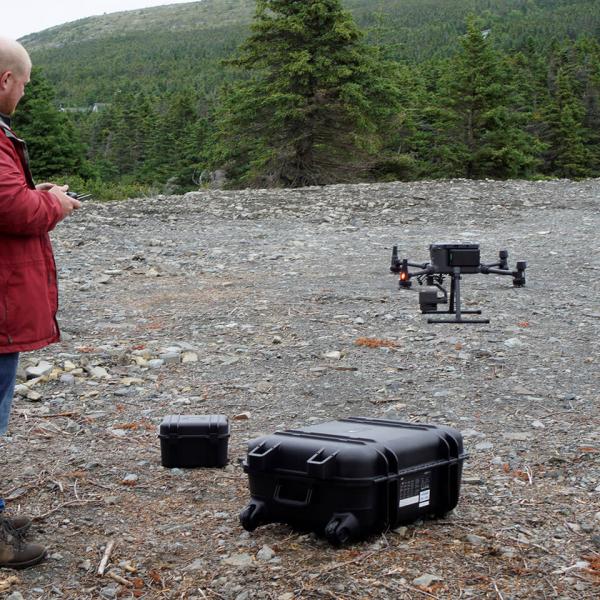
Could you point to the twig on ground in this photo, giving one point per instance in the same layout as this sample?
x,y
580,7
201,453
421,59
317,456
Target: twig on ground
x,y
408,587
500,596
64,505
119,579
105,557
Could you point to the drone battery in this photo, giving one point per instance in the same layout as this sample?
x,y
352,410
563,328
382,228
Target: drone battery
x,y
349,478
190,441
444,257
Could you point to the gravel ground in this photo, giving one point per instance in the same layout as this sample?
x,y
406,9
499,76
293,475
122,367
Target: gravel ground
x,y
250,304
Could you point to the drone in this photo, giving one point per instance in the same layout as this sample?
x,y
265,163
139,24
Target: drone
x,y
451,260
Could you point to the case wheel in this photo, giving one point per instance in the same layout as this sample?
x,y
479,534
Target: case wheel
x,y
253,515
341,529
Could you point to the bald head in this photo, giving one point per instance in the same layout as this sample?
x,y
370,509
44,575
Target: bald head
x,y
13,57
15,70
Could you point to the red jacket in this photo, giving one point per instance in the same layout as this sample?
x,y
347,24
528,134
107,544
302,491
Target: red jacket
x,y
28,287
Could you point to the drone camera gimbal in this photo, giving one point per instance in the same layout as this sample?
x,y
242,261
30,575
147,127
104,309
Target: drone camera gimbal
x,y
451,260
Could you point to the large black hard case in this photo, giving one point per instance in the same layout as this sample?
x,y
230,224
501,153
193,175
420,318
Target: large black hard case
x,y
353,477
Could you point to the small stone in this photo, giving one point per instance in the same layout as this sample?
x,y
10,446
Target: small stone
x,y
15,596
86,565
538,425
198,565
189,357
156,363
109,591
359,321
277,339
98,373
265,553
476,540
239,560
333,355
67,378
286,596
426,580
484,446
42,368
401,532
130,478
170,358
513,343
517,436
264,387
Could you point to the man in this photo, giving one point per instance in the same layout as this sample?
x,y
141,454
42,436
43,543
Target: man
x,y
28,286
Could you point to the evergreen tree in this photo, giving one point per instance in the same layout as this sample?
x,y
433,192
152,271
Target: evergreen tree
x,y
568,155
314,103
127,133
176,141
482,128
54,146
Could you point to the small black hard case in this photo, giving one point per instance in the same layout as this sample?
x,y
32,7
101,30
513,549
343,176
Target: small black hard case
x,y
189,441
349,478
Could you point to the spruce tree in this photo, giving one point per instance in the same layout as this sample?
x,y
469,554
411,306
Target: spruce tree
x,y
313,102
568,155
483,129
54,147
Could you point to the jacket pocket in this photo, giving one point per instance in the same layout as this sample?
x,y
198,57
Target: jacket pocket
x,y
29,314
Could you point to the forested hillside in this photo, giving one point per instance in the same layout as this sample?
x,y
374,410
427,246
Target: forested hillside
x,y
444,88
179,46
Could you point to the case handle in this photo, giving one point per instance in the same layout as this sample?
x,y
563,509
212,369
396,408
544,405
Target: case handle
x,y
321,467
290,501
260,458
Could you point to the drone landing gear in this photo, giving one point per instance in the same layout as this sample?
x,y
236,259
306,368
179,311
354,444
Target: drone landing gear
x,y
454,307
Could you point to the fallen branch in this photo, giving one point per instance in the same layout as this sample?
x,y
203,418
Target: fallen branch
x,y
64,505
105,557
500,596
119,579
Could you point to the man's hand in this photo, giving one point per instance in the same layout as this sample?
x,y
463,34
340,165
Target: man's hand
x,y
46,187
67,203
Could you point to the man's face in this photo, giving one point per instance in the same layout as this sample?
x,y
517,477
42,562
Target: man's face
x,y
12,89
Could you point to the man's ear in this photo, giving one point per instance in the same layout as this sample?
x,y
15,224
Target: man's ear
x,y
4,77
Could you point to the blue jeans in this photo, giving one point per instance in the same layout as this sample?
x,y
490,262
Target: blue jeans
x,y
8,375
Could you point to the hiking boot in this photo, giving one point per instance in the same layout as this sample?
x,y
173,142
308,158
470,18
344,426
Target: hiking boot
x,y
14,552
20,555
19,525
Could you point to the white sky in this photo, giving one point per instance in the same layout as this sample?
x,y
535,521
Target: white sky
x,y
20,17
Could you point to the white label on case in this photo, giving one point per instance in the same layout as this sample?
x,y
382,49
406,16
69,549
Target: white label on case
x,y
424,497
408,501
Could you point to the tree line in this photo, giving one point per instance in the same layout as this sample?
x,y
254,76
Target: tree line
x,y
308,100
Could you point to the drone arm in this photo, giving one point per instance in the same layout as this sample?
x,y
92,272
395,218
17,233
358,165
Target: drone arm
x,y
424,271
518,275
490,270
